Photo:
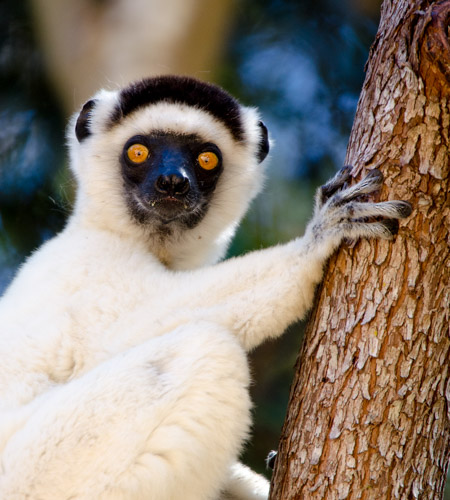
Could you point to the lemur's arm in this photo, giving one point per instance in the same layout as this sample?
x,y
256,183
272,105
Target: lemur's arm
x,y
258,295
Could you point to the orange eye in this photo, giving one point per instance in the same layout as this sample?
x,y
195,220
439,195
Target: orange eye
x,y
137,153
208,160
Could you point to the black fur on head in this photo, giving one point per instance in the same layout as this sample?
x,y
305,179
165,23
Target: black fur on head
x,y
183,90
82,129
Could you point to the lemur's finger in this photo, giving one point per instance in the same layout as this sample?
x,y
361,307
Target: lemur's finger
x,y
371,182
389,209
385,229
336,183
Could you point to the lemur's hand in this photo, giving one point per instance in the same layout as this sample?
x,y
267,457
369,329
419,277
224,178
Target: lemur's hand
x,y
339,214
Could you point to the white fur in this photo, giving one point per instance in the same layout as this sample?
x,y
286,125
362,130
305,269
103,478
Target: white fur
x,y
123,373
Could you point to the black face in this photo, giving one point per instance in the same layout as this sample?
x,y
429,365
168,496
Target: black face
x,y
169,178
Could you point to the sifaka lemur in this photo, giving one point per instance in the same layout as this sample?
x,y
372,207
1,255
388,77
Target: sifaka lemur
x,y
123,341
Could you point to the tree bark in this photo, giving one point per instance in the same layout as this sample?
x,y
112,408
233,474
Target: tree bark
x,y
368,416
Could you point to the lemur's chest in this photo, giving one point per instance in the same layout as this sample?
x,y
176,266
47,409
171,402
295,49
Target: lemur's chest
x,y
115,309
105,297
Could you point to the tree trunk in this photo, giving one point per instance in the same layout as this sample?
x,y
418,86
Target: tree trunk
x,y
368,416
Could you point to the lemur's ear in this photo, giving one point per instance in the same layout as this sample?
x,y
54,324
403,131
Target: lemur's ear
x,y
82,129
263,146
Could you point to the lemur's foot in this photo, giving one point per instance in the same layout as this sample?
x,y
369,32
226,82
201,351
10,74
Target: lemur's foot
x,y
270,459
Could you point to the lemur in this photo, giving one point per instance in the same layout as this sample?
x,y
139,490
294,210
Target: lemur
x,y
123,341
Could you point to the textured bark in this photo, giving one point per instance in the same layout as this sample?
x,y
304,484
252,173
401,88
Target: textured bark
x,y
368,416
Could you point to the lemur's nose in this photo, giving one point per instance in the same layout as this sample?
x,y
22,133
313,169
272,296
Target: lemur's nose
x,y
172,184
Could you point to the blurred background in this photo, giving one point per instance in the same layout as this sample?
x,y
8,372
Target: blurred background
x,y
300,62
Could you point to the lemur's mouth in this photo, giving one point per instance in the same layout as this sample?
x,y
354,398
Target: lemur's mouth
x,y
170,208
172,204
171,199
186,211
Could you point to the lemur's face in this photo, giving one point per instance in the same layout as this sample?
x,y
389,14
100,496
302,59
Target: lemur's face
x,y
170,177
170,152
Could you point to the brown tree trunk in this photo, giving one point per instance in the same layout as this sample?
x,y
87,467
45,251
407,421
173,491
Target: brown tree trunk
x,y
368,416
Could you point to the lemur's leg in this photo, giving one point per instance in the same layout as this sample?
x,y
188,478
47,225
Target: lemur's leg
x,y
163,421
261,293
